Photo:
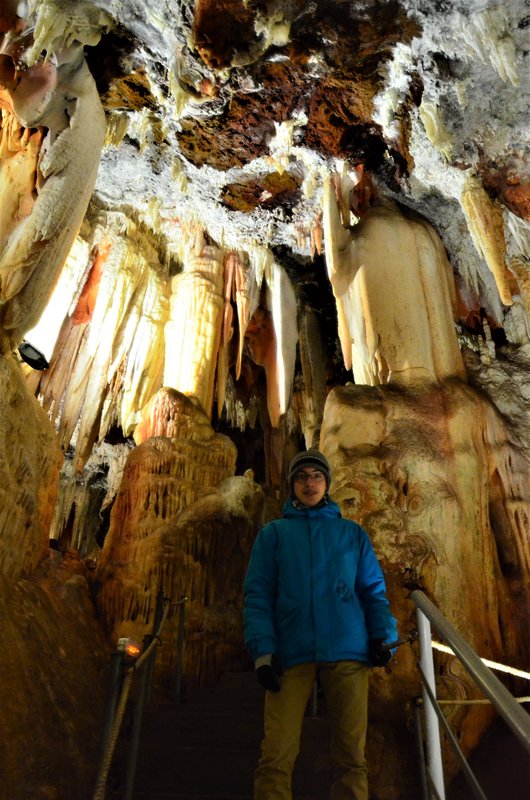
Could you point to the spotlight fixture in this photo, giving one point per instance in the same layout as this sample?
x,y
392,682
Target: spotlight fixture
x,y
129,648
32,356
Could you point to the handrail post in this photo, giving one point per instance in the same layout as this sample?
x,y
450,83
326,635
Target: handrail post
x,y
432,729
420,749
180,647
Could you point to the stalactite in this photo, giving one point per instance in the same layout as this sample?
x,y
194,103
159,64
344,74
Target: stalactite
x,y
485,223
247,290
193,332
337,246
105,369
64,299
395,293
223,358
271,338
80,517
68,108
314,358
434,128
281,301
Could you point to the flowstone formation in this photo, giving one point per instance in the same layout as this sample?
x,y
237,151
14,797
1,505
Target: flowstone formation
x,y
30,460
53,653
182,525
431,473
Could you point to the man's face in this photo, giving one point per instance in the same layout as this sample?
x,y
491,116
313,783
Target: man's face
x,y
309,486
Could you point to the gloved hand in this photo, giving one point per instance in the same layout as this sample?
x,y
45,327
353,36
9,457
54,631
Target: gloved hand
x,y
378,654
269,675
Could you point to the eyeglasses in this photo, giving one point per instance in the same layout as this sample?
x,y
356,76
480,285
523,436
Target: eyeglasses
x,y
303,477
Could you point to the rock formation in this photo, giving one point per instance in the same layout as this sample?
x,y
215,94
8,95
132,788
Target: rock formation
x,y
182,525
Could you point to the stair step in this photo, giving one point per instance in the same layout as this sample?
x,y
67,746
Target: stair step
x,y
207,748
173,796
197,771
250,694
239,679
165,796
197,726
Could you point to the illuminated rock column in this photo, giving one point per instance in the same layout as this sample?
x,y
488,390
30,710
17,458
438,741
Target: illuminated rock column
x,y
193,332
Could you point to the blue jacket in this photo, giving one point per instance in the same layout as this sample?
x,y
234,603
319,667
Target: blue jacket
x,y
314,590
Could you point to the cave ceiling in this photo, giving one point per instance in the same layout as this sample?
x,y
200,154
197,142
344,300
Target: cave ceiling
x,y
232,116
233,95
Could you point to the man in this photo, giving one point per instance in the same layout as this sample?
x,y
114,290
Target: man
x,y
315,606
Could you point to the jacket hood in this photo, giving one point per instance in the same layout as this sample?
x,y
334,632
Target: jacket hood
x,y
328,509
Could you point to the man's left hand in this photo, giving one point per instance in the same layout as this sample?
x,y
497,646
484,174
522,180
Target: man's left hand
x,y
379,654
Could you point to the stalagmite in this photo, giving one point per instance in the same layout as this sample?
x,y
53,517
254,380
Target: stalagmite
x,y
178,526
485,223
394,291
193,332
425,472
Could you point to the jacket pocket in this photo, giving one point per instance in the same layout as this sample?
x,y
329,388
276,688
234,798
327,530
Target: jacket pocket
x,y
344,583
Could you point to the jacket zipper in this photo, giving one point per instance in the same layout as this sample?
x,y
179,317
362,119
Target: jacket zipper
x,y
312,589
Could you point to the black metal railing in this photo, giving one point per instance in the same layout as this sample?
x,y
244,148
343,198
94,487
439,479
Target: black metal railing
x,y
124,668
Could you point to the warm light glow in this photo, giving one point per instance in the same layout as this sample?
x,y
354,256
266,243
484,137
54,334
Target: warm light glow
x,y
44,334
129,647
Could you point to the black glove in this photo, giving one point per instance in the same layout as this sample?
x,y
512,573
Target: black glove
x,y
269,675
379,655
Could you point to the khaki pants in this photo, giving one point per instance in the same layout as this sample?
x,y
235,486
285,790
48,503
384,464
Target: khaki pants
x,y
345,687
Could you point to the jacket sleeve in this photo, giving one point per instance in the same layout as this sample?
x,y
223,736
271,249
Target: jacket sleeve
x,y
371,590
259,593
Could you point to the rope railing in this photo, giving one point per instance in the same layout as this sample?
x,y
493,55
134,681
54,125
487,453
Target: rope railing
x,y
517,673
123,672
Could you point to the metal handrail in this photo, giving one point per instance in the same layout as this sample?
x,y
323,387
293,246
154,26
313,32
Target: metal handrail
x,y
122,674
506,705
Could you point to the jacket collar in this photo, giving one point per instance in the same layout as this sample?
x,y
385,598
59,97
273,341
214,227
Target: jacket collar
x,y
326,508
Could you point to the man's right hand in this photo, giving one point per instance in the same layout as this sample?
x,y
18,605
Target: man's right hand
x,y
269,675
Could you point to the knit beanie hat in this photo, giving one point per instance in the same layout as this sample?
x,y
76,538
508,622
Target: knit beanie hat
x,y
310,458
